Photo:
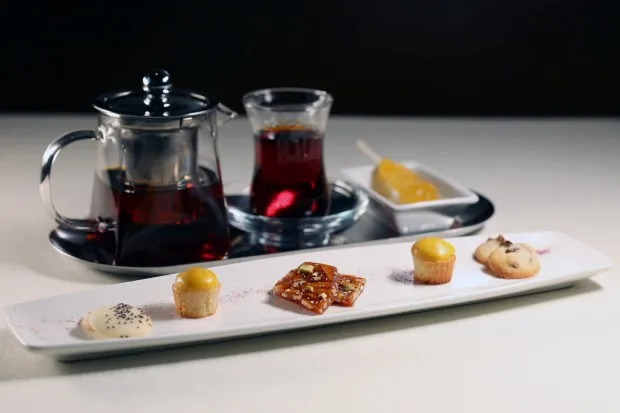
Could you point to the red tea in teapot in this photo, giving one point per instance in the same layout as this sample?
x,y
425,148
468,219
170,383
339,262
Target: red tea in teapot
x,y
289,175
161,226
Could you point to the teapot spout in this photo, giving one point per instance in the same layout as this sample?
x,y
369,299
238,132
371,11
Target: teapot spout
x,y
224,114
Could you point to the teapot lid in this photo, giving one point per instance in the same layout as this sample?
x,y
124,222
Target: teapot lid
x,y
157,99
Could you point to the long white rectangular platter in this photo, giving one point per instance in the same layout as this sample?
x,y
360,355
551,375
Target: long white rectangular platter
x,y
51,326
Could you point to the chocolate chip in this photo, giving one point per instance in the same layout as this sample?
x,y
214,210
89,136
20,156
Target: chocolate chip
x,y
512,249
514,265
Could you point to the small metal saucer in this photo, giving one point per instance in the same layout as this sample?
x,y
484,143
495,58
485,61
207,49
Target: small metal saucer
x,y
348,204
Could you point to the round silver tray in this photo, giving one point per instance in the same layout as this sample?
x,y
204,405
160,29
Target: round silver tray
x,y
367,230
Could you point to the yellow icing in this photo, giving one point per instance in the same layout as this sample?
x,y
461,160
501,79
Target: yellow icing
x,y
432,249
197,279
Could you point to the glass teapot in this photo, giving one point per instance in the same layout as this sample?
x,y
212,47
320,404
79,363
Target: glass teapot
x,y
151,197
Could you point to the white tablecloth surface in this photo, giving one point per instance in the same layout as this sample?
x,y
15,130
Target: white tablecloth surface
x,y
552,352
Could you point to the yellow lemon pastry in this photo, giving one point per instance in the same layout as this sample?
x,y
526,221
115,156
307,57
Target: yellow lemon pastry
x,y
196,293
117,321
433,261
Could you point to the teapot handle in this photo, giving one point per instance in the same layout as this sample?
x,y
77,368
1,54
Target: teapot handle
x,y
224,114
49,156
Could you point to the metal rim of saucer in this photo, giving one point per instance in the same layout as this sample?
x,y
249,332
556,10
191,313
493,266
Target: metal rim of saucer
x,y
473,224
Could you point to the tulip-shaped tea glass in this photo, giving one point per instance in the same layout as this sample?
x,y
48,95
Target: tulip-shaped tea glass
x,y
289,126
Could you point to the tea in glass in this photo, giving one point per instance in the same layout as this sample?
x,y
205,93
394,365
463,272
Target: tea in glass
x,y
289,179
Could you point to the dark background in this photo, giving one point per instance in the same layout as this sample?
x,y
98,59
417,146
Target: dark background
x,y
441,57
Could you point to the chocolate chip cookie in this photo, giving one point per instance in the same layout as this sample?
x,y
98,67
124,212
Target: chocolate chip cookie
x,y
514,261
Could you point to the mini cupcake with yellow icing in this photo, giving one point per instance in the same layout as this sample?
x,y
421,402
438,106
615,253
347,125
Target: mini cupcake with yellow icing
x,y
433,261
196,293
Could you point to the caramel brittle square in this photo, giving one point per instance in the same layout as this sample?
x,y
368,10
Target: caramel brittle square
x,y
349,288
311,285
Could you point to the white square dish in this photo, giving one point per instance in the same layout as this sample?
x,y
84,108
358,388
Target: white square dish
x,y
421,216
51,325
